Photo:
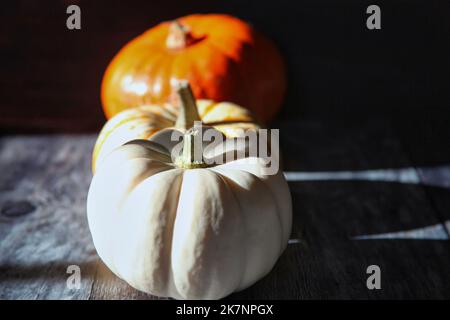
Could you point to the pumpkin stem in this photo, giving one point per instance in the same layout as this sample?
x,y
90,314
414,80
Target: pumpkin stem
x,y
188,108
192,156
179,36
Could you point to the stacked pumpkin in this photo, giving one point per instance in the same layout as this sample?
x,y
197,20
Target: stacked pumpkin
x,y
169,225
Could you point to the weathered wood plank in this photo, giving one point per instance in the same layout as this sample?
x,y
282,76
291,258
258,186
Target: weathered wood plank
x,y
427,141
328,214
43,226
108,286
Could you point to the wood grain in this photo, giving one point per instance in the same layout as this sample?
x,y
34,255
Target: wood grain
x,y
43,226
328,264
49,174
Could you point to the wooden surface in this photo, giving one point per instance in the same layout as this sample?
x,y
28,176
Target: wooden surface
x,y
43,228
365,138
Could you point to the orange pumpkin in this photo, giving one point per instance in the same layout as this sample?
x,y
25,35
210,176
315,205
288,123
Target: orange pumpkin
x,y
223,58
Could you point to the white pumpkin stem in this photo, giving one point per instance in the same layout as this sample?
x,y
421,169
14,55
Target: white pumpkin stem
x,y
192,156
188,108
179,36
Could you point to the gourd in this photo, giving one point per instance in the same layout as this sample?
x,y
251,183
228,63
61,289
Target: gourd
x,y
144,121
223,58
175,226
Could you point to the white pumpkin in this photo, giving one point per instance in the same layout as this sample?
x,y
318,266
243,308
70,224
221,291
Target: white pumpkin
x,y
181,229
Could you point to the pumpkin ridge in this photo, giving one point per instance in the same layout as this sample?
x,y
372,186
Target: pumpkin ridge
x,y
229,122
128,116
278,211
196,268
172,283
167,73
138,180
208,108
195,78
160,270
226,181
177,181
142,177
222,170
142,65
225,53
169,165
178,290
156,76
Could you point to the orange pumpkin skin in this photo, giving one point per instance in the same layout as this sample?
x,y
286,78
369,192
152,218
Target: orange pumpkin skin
x,y
223,58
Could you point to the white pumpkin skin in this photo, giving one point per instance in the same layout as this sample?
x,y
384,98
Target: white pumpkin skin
x,y
192,234
187,233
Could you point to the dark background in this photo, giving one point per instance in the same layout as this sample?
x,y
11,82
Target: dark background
x,y
339,71
357,99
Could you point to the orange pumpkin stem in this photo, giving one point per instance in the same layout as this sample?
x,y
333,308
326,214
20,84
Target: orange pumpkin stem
x,y
179,36
188,108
